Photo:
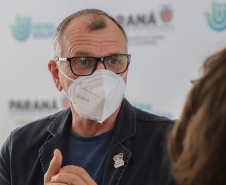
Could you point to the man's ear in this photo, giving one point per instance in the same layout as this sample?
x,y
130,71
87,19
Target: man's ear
x,y
53,68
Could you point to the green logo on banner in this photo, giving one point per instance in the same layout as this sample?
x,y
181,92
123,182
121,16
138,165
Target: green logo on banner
x,y
217,18
23,28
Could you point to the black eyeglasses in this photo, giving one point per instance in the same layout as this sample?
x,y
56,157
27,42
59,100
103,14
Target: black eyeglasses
x,y
84,66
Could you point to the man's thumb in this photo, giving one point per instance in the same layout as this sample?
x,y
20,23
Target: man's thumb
x,y
54,166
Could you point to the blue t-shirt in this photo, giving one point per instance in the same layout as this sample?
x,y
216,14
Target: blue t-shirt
x,y
89,153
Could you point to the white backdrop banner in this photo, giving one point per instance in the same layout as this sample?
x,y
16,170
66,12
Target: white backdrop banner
x,y
168,41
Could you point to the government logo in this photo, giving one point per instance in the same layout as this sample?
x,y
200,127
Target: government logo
x,y
23,28
217,18
166,13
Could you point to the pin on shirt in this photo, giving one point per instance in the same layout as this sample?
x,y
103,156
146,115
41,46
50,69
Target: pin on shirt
x,y
118,160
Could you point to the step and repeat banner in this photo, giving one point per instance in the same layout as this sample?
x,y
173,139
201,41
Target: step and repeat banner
x,y
168,41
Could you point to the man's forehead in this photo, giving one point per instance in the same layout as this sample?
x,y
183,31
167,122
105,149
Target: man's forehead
x,y
78,31
78,22
92,23
80,27
86,20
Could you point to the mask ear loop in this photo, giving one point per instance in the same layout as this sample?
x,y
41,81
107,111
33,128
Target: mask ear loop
x,y
124,75
57,62
67,96
67,78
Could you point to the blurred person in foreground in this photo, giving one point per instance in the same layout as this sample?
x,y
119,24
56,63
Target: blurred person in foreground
x,y
101,138
197,142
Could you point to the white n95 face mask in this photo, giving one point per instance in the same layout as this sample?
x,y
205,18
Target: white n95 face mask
x,y
97,96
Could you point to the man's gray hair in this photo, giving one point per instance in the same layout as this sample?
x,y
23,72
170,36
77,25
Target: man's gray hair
x,y
97,21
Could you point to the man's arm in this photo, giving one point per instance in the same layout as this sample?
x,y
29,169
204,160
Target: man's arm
x,y
5,163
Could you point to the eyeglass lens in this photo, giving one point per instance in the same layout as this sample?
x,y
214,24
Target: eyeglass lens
x,y
85,65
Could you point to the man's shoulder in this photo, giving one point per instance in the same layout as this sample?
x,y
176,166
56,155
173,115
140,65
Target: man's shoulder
x,y
146,117
36,127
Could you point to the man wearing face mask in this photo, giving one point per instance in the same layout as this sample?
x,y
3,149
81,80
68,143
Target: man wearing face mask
x,y
101,138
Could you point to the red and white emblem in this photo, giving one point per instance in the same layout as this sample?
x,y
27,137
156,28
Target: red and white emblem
x,y
118,160
166,14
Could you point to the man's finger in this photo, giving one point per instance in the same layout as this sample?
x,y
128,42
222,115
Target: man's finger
x,y
54,166
80,172
68,178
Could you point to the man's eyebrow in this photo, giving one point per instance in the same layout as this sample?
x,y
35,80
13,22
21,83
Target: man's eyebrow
x,y
85,53
82,53
114,53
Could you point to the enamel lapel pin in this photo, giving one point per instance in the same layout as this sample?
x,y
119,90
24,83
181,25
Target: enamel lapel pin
x,y
118,160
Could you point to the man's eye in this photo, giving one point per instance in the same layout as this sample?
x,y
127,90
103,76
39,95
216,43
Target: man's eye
x,y
113,61
83,62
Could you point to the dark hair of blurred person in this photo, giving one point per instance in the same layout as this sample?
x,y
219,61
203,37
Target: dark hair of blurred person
x,y
197,142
